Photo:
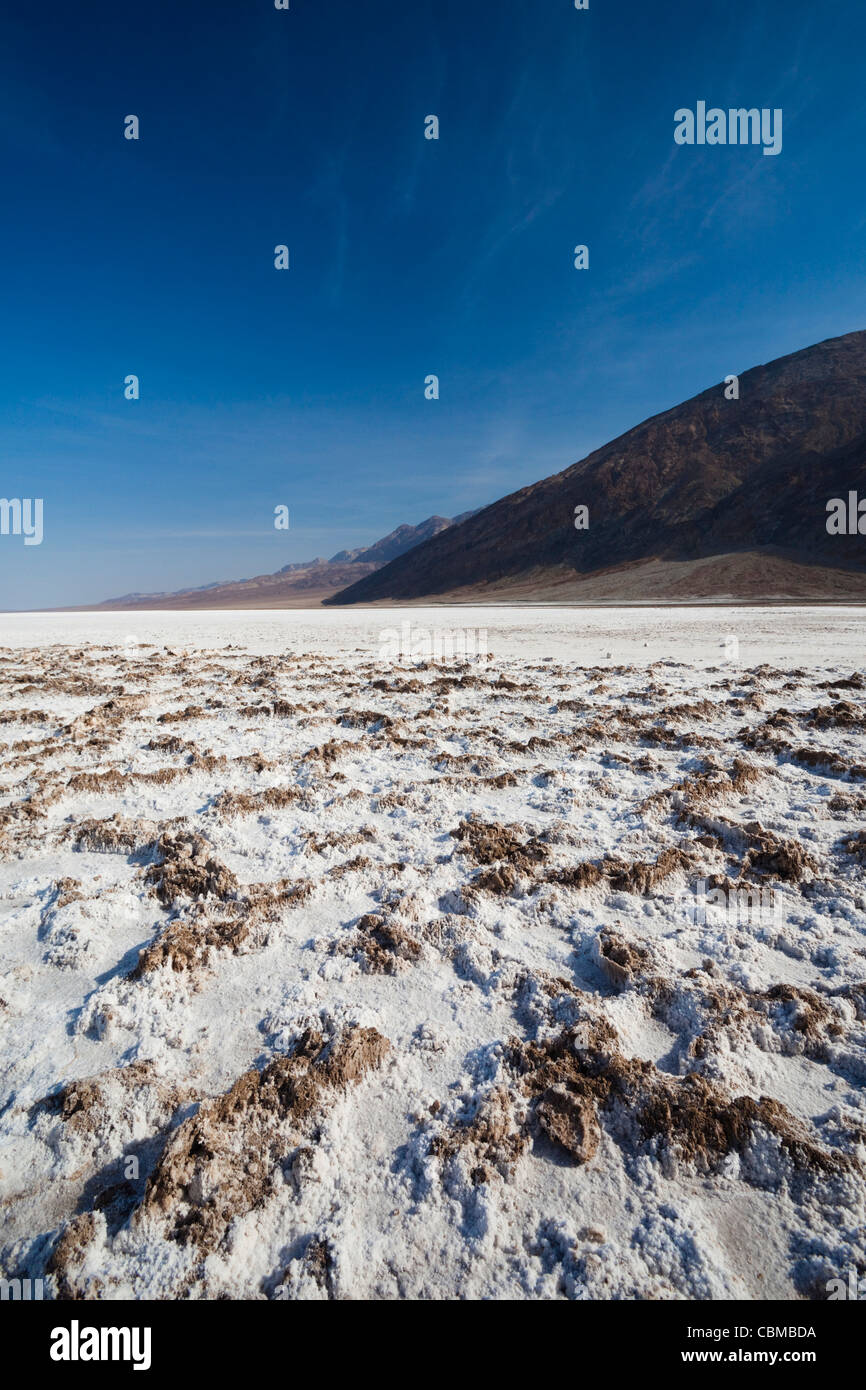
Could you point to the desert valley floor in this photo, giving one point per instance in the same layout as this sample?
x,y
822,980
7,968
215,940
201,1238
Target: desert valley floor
x,y
326,973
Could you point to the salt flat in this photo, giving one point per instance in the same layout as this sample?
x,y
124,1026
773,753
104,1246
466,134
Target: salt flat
x,y
789,635
325,974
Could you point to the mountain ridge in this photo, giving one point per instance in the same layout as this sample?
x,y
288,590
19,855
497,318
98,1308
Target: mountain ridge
x,y
711,476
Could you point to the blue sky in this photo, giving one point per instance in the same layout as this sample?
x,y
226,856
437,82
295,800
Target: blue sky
x,y
408,257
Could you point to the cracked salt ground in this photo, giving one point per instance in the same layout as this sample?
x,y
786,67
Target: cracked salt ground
x,y
383,975
643,1036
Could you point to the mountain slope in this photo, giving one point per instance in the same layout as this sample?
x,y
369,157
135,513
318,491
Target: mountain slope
x,y
711,477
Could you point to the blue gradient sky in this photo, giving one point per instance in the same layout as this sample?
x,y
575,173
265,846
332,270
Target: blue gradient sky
x,y
409,257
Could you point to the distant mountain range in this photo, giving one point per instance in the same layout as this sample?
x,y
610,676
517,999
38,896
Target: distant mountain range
x,y
716,498
398,542
300,585
721,498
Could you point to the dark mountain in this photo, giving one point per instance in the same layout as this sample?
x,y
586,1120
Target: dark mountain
x,y
710,478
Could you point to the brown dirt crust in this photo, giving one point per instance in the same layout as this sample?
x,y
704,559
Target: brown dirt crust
x,y
220,1163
